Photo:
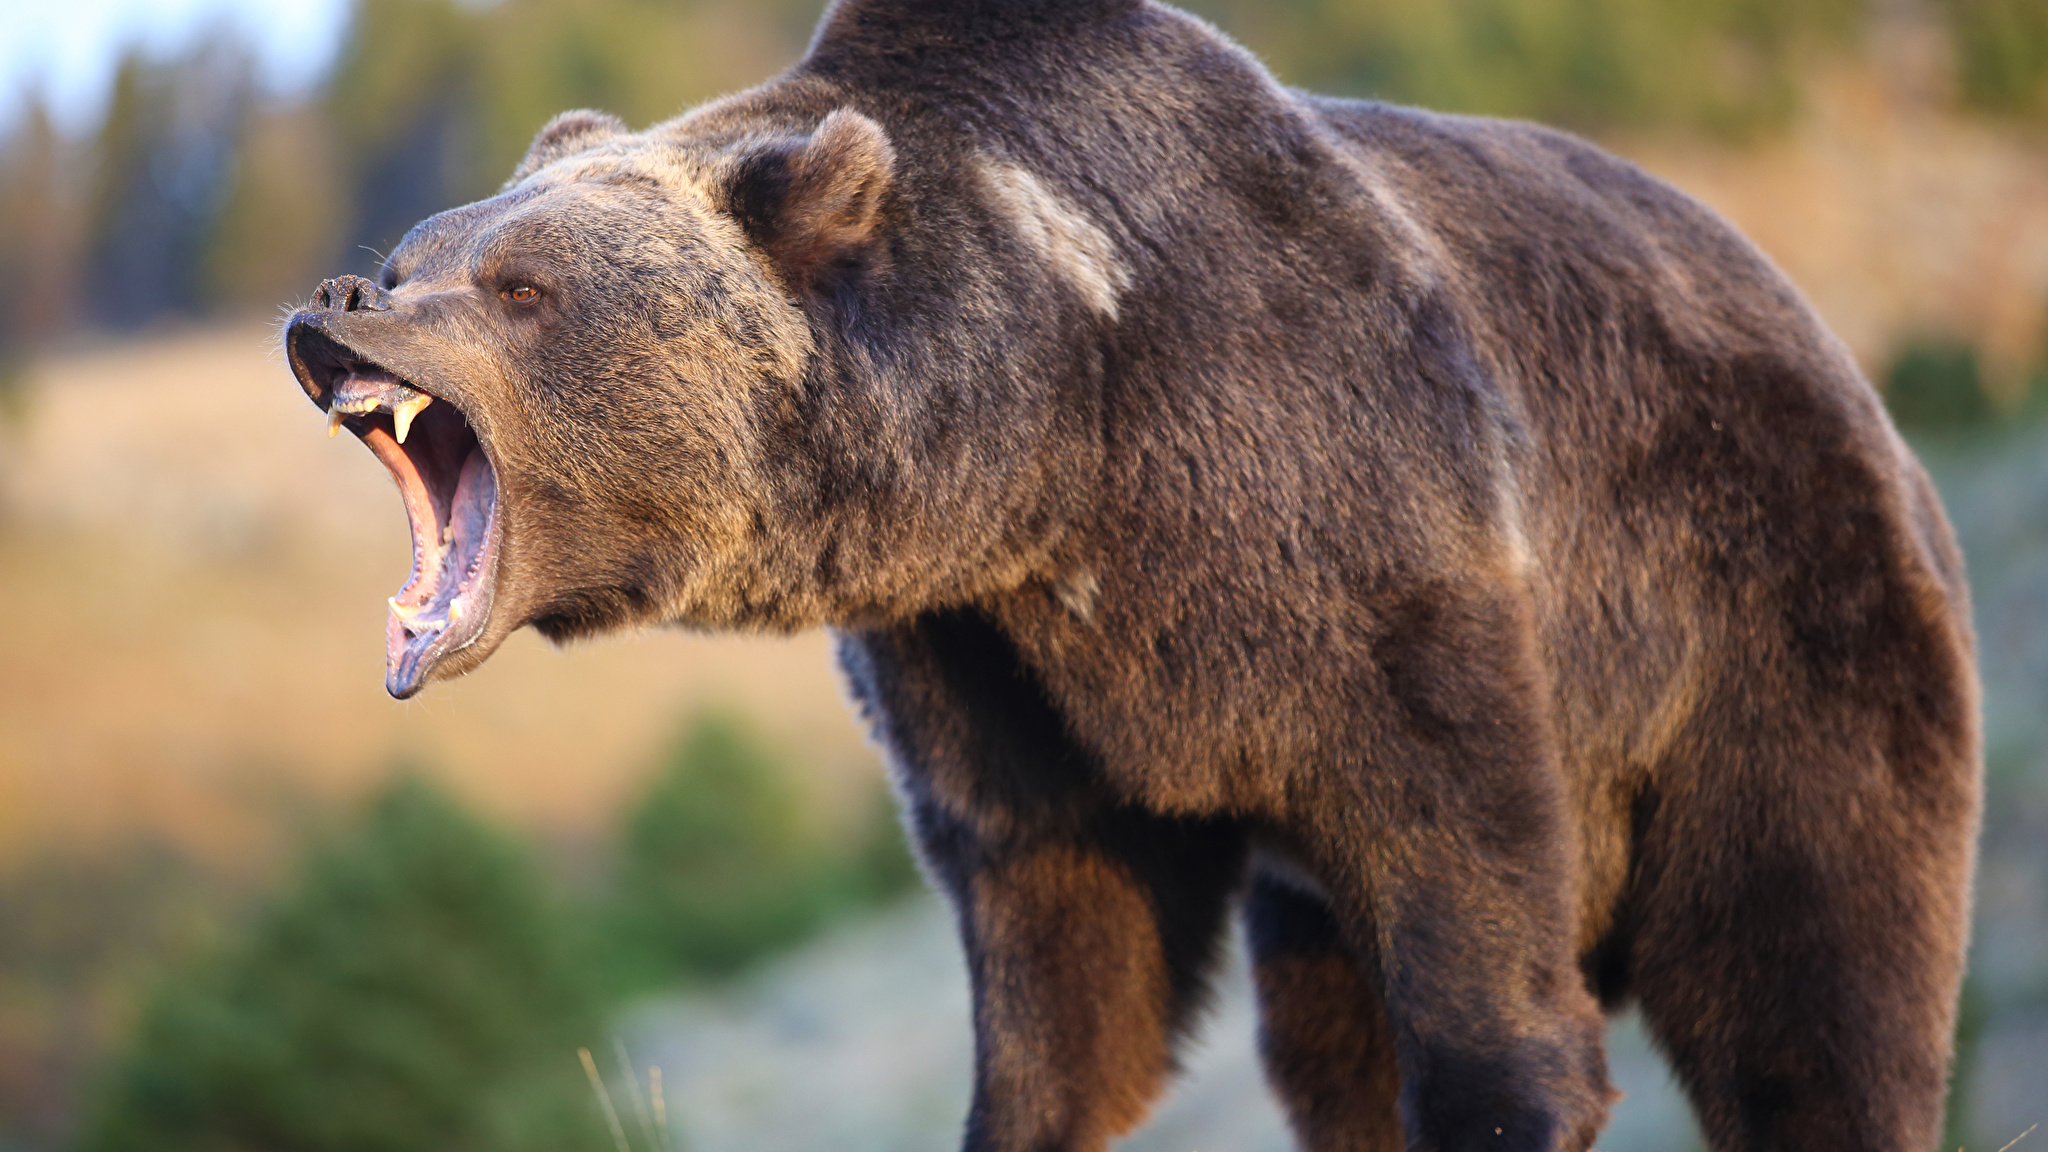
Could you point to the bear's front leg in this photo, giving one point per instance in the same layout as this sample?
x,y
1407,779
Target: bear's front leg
x,y
1087,956
1448,854
1089,925
1498,1042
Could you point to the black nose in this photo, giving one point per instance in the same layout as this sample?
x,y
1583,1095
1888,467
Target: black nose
x,y
349,294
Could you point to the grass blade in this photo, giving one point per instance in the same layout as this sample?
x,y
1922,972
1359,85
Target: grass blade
x,y
654,1089
611,1115
633,1082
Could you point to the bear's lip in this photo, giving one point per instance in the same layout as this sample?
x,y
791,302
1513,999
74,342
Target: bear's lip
x,y
450,490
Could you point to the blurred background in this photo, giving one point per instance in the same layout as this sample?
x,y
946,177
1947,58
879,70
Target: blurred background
x,y
247,902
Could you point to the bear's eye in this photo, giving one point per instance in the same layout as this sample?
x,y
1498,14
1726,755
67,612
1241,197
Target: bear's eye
x,y
522,293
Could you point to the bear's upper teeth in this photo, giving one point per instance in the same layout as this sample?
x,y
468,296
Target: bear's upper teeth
x,y
359,396
403,412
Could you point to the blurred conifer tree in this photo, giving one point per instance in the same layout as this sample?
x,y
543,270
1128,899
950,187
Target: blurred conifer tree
x,y
414,992
401,104
1937,385
38,235
281,224
717,868
161,165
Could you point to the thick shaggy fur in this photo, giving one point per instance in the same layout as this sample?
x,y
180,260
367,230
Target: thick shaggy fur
x,y
1432,535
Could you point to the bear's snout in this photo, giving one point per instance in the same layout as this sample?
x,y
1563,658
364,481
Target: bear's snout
x,y
350,293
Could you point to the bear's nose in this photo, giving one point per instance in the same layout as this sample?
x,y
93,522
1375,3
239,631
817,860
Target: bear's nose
x,y
350,294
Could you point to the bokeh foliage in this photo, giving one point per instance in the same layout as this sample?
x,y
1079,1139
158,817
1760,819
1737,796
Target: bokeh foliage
x,y
36,241
717,866
78,933
1937,385
418,988
413,990
2002,54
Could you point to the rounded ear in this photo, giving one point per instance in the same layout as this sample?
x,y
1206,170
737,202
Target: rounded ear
x,y
812,203
565,135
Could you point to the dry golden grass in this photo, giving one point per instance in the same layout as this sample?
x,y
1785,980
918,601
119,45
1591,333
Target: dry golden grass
x,y
194,646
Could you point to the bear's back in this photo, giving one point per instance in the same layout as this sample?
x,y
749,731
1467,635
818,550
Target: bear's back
x,y
1700,466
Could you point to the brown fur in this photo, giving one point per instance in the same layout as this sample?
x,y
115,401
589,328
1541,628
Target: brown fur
x,y
1324,1035
1434,531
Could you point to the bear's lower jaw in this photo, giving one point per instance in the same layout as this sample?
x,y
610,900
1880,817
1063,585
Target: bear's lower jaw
x,y
444,606
450,491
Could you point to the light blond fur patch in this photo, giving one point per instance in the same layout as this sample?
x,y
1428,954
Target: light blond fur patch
x,y
1076,590
1520,558
1075,246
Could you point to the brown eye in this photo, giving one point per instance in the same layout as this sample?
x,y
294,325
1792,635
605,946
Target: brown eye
x,y
522,293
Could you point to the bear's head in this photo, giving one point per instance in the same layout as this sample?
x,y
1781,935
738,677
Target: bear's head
x,y
585,384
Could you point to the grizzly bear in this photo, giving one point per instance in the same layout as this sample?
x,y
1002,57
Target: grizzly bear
x,y
1431,537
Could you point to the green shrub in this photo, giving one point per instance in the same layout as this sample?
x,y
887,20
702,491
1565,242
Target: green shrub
x,y
2002,54
413,991
1936,385
717,868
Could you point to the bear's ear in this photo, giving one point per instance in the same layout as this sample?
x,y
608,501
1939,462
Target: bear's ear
x,y
813,203
566,135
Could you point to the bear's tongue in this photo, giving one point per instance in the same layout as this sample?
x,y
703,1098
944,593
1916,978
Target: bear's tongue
x,y
450,495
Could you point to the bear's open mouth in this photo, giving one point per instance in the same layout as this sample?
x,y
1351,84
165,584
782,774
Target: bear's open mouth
x,y
450,492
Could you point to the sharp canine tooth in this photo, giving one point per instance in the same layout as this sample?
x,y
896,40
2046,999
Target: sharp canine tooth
x,y
402,414
334,415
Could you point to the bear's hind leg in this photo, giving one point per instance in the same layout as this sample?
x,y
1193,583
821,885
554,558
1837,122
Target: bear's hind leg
x,y
1801,924
1322,1026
